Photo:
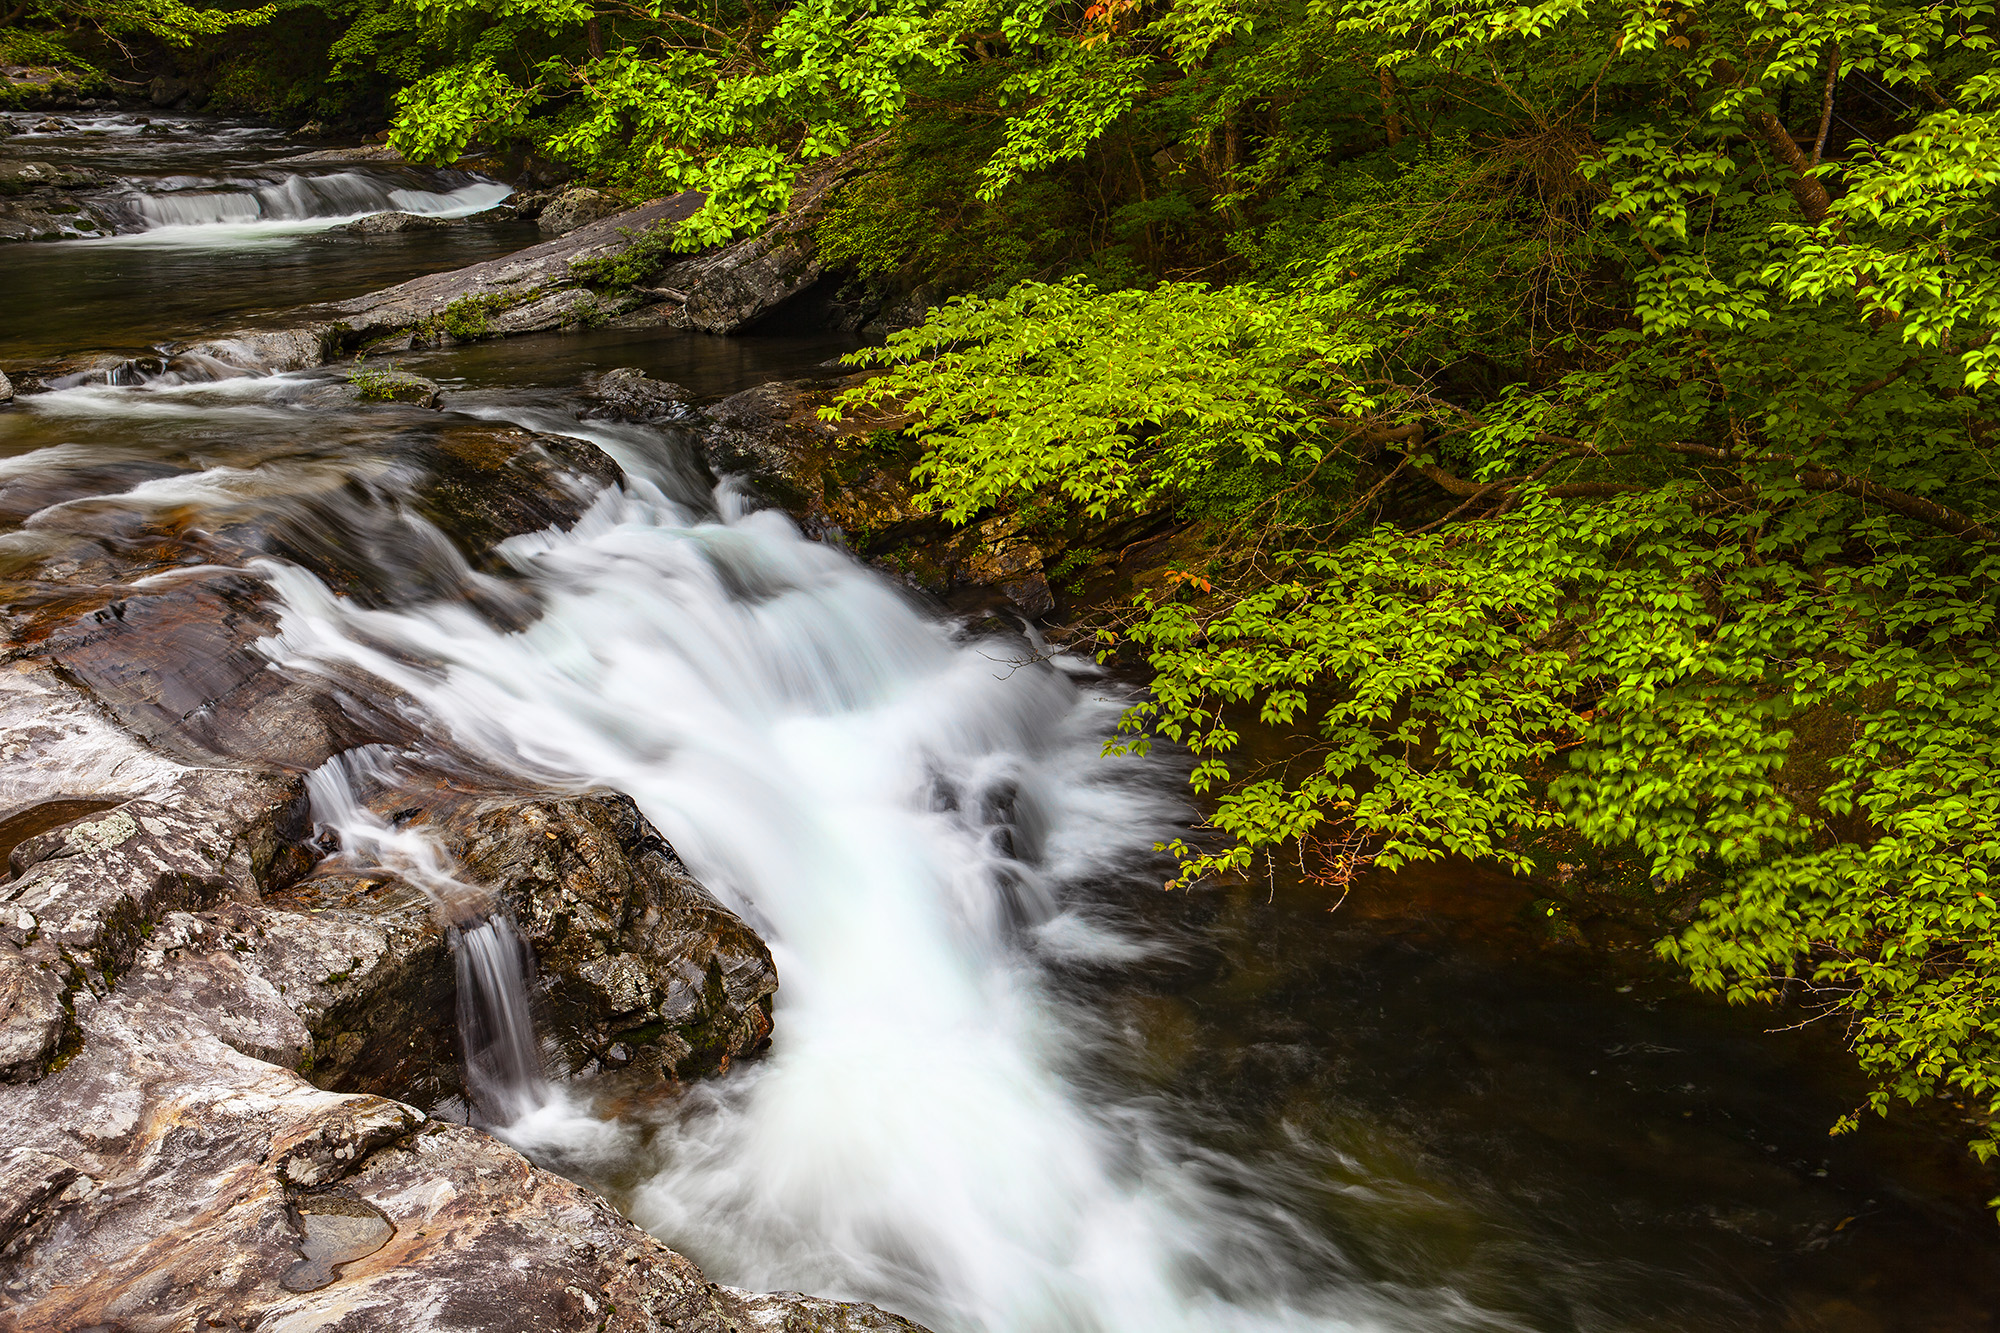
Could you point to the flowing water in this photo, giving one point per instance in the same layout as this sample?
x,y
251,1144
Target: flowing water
x,y
1013,1087
210,229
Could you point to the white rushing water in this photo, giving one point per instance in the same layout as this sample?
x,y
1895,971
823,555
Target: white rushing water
x,y
899,814
202,211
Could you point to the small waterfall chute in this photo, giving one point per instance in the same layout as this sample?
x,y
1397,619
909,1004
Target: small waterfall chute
x,y
504,1075
505,1080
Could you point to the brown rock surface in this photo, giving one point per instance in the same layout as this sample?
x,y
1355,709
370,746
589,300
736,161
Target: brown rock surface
x,y
642,969
170,1170
839,484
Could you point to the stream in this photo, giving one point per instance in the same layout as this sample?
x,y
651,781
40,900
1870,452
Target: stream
x,y
1014,1087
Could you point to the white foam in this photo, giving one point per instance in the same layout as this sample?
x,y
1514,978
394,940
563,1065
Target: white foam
x,y
835,766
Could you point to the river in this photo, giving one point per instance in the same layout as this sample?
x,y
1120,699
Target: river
x,y
1014,1087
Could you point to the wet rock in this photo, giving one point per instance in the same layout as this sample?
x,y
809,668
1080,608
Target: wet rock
x,y
368,152
1003,558
736,285
88,896
37,202
791,1312
841,486
641,968
50,217
365,384
178,665
56,745
166,90
396,386
528,204
6,388
337,1229
483,484
365,966
769,432
264,351
576,207
343,975
386,224
629,394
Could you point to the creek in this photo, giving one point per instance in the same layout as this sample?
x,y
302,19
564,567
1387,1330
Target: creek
x,y
1013,1087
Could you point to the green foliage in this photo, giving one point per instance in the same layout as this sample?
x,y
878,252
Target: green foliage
x,y
468,318
376,385
1114,400
649,252
168,21
1600,450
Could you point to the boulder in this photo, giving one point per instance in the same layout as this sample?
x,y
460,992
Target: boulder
x,y
48,217
736,285
38,203
86,896
386,224
395,386
576,207
6,388
163,1180
57,746
840,487
629,394
166,89
483,483
177,664
371,152
342,975
641,968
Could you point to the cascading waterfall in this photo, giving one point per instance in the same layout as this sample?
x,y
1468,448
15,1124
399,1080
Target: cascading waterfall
x,y
504,1076
900,814
275,197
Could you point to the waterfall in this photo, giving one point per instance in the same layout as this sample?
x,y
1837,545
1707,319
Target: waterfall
x,y
496,1025
198,201
504,1078
906,817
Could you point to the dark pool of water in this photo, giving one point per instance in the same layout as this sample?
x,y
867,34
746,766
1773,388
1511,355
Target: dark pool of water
x,y
707,365
1570,1138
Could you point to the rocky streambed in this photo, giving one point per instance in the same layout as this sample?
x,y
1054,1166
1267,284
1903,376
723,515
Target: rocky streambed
x,y
231,1066
210,1030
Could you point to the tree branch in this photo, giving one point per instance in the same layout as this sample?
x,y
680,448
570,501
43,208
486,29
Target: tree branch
x,y
1942,517
1826,100
1807,192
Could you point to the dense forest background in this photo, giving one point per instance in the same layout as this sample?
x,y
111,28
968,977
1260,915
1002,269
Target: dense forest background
x,y
1583,409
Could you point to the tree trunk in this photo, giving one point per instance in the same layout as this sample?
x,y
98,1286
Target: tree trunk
x,y
1392,119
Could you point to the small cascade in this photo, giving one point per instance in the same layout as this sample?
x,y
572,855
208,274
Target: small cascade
x,y
273,196
504,1077
496,1024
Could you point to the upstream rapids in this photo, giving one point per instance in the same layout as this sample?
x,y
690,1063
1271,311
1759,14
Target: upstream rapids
x,y
1013,1088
